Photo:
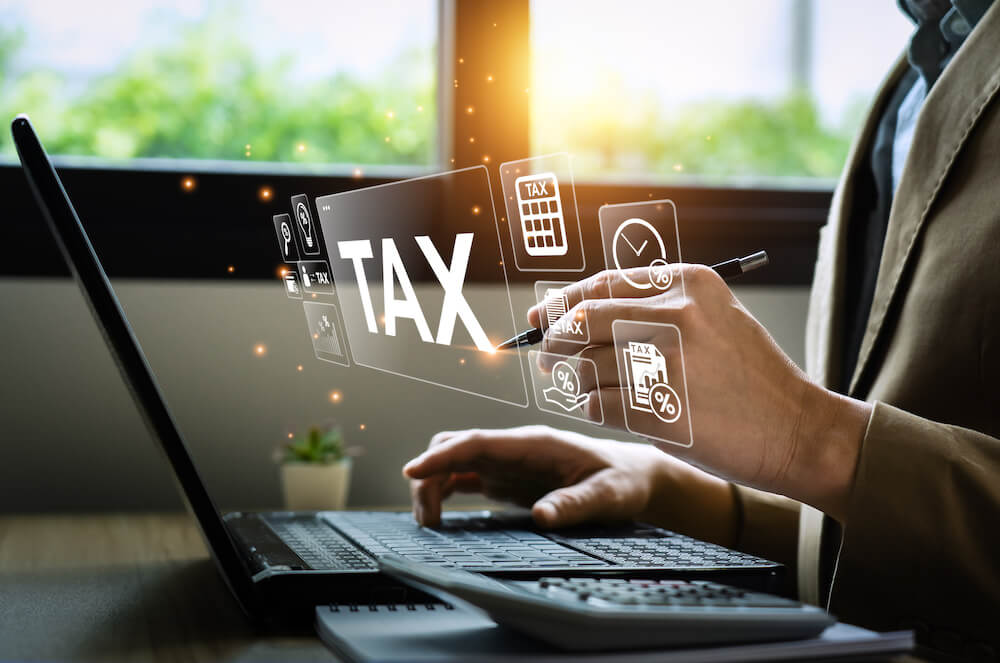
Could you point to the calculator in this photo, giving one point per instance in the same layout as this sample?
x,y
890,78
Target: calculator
x,y
542,225
599,613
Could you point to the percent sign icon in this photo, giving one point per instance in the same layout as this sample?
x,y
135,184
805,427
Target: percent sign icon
x,y
565,377
666,403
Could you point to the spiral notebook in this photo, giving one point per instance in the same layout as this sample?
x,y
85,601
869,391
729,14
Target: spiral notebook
x,y
437,633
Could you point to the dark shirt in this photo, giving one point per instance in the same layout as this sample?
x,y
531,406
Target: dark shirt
x,y
941,28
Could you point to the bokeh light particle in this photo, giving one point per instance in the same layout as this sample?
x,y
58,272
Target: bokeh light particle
x,y
335,396
265,193
260,350
188,184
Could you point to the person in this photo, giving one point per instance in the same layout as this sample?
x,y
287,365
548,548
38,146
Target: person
x,y
875,473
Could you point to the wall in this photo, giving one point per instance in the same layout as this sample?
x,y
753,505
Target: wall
x,y
73,441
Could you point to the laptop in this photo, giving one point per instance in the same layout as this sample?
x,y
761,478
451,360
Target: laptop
x,y
279,564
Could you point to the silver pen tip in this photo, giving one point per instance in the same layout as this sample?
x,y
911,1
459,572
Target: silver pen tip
x,y
753,261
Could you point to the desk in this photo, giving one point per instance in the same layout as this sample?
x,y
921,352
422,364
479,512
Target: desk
x,y
124,588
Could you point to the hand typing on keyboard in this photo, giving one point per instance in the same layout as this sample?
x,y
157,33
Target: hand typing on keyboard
x,y
567,478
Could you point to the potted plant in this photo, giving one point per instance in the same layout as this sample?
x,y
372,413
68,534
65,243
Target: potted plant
x,y
316,470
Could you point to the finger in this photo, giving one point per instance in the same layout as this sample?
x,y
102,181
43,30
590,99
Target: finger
x,y
602,314
467,482
609,284
437,440
469,449
604,496
426,496
605,407
596,368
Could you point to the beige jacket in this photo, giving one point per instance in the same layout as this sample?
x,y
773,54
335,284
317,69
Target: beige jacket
x,y
921,547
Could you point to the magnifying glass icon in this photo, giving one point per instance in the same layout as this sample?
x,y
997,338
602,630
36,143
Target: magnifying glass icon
x,y
287,234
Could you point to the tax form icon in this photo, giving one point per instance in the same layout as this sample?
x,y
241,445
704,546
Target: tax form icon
x,y
556,307
543,227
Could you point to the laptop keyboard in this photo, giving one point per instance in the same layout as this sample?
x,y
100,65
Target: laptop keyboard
x,y
475,542
463,546
319,545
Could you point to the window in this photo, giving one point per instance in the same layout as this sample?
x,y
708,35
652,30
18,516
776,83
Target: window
x,y
708,92
292,81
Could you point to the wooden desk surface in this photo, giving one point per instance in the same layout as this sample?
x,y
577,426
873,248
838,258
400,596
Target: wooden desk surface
x,y
123,588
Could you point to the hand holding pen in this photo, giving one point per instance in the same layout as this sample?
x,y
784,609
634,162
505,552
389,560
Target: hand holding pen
x,y
727,270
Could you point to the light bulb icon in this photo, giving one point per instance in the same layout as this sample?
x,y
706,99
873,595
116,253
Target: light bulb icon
x,y
302,214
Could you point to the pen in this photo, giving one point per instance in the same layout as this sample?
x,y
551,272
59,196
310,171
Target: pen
x,y
727,270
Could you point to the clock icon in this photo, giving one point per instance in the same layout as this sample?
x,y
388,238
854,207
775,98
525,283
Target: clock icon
x,y
637,243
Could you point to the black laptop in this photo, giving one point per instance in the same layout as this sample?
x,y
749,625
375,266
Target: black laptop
x,y
276,563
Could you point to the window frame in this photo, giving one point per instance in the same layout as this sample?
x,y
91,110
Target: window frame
x,y
233,222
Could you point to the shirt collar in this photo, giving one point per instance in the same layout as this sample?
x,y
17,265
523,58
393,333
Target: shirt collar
x,y
942,26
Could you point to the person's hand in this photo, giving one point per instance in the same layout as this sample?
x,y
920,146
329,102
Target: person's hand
x,y
756,418
568,478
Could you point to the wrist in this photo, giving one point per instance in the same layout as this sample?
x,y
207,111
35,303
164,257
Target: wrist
x,y
827,446
690,501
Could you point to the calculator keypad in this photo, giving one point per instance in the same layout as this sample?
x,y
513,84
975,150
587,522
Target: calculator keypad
x,y
543,227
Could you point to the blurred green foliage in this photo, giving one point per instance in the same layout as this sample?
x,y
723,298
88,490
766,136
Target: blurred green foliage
x,y
206,94
712,139
318,445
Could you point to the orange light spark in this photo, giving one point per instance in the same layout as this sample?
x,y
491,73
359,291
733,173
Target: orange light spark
x,y
188,184
475,209
299,368
362,427
260,349
230,269
489,78
265,193
335,396
486,158
470,110
290,436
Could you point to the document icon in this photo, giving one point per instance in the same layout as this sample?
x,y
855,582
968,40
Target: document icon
x,y
560,320
543,228
555,305
651,368
645,367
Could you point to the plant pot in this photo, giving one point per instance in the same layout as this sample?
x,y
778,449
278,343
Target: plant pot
x,y
316,486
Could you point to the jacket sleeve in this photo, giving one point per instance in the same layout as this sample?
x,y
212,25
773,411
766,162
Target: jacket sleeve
x,y
769,526
921,546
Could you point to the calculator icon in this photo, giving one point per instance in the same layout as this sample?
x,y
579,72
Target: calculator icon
x,y
542,226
